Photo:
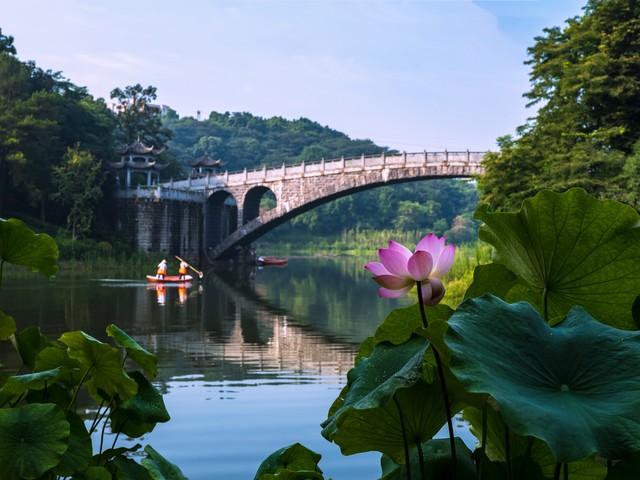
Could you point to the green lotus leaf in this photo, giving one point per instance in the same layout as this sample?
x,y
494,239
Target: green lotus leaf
x,y
21,246
437,462
491,278
530,457
29,342
127,469
111,453
94,473
17,385
365,349
79,453
7,326
159,467
147,360
33,439
584,251
56,393
104,364
575,386
295,462
139,414
375,379
56,356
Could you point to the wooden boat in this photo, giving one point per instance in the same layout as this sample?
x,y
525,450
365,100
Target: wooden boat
x,y
272,261
169,279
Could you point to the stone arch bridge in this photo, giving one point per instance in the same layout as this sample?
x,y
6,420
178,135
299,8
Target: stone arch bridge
x,y
227,207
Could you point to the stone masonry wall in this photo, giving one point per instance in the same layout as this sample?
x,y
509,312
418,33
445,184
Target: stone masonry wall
x,y
172,227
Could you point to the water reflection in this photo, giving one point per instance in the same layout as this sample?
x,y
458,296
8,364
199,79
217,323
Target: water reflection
x,y
249,362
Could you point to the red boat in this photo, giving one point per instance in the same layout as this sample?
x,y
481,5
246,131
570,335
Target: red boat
x,y
169,279
272,261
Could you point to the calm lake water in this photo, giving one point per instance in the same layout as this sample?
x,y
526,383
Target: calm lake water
x,y
248,363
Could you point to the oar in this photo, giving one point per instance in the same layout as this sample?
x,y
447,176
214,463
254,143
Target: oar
x,y
200,274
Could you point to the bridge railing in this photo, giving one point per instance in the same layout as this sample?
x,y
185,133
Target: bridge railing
x,y
160,192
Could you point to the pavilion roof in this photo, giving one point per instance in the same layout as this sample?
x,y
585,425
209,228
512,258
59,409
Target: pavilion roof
x,y
204,161
138,148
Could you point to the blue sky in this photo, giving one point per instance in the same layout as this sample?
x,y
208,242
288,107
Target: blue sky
x,y
413,75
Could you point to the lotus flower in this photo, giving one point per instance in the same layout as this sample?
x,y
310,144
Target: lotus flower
x,y
399,268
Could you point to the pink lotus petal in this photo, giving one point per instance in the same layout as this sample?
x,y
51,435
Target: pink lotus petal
x,y
386,293
394,261
436,292
392,282
444,262
420,265
398,247
376,268
432,244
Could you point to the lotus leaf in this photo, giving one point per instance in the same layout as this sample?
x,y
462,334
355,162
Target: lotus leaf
x,y
33,439
580,250
7,326
21,246
159,467
111,453
19,384
94,473
57,357
437,460
29,342
147,360
492,278
139,414
78,456
127,469
104,363
295,462
575,386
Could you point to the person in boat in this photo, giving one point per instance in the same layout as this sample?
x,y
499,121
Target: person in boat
x,y
182,271
162,270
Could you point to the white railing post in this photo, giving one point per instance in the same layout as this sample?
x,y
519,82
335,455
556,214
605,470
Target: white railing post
x,y
425,158
264,171
468,157
446,156
304,168
362,160
284,170
384,158
322,166
245,175
208,179
342,162
189,181
404,158
226,176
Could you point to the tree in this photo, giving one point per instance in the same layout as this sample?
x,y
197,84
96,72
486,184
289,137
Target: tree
x,y
585,78
138,118
78,182
6,44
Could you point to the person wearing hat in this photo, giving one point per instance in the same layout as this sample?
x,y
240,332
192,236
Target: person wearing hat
x,y
182,271
162,270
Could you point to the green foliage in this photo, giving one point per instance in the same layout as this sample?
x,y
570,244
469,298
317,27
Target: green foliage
x,y
295,462
137,353
585,132
78,182
160,468
19,245
567,249
33,439
7,326
580,366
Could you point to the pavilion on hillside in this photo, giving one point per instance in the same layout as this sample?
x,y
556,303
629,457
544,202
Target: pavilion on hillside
x,y
204,164
138,165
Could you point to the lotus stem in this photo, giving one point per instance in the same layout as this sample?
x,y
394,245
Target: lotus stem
x,y
75,394
525,457
483,445
443,385
95,419
407,457
423,474
556,473
507,453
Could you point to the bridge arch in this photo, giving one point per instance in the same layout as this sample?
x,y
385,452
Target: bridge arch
x,y
221,217
252,202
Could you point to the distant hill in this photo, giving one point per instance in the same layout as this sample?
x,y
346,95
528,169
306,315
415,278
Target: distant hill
x,y
243,140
